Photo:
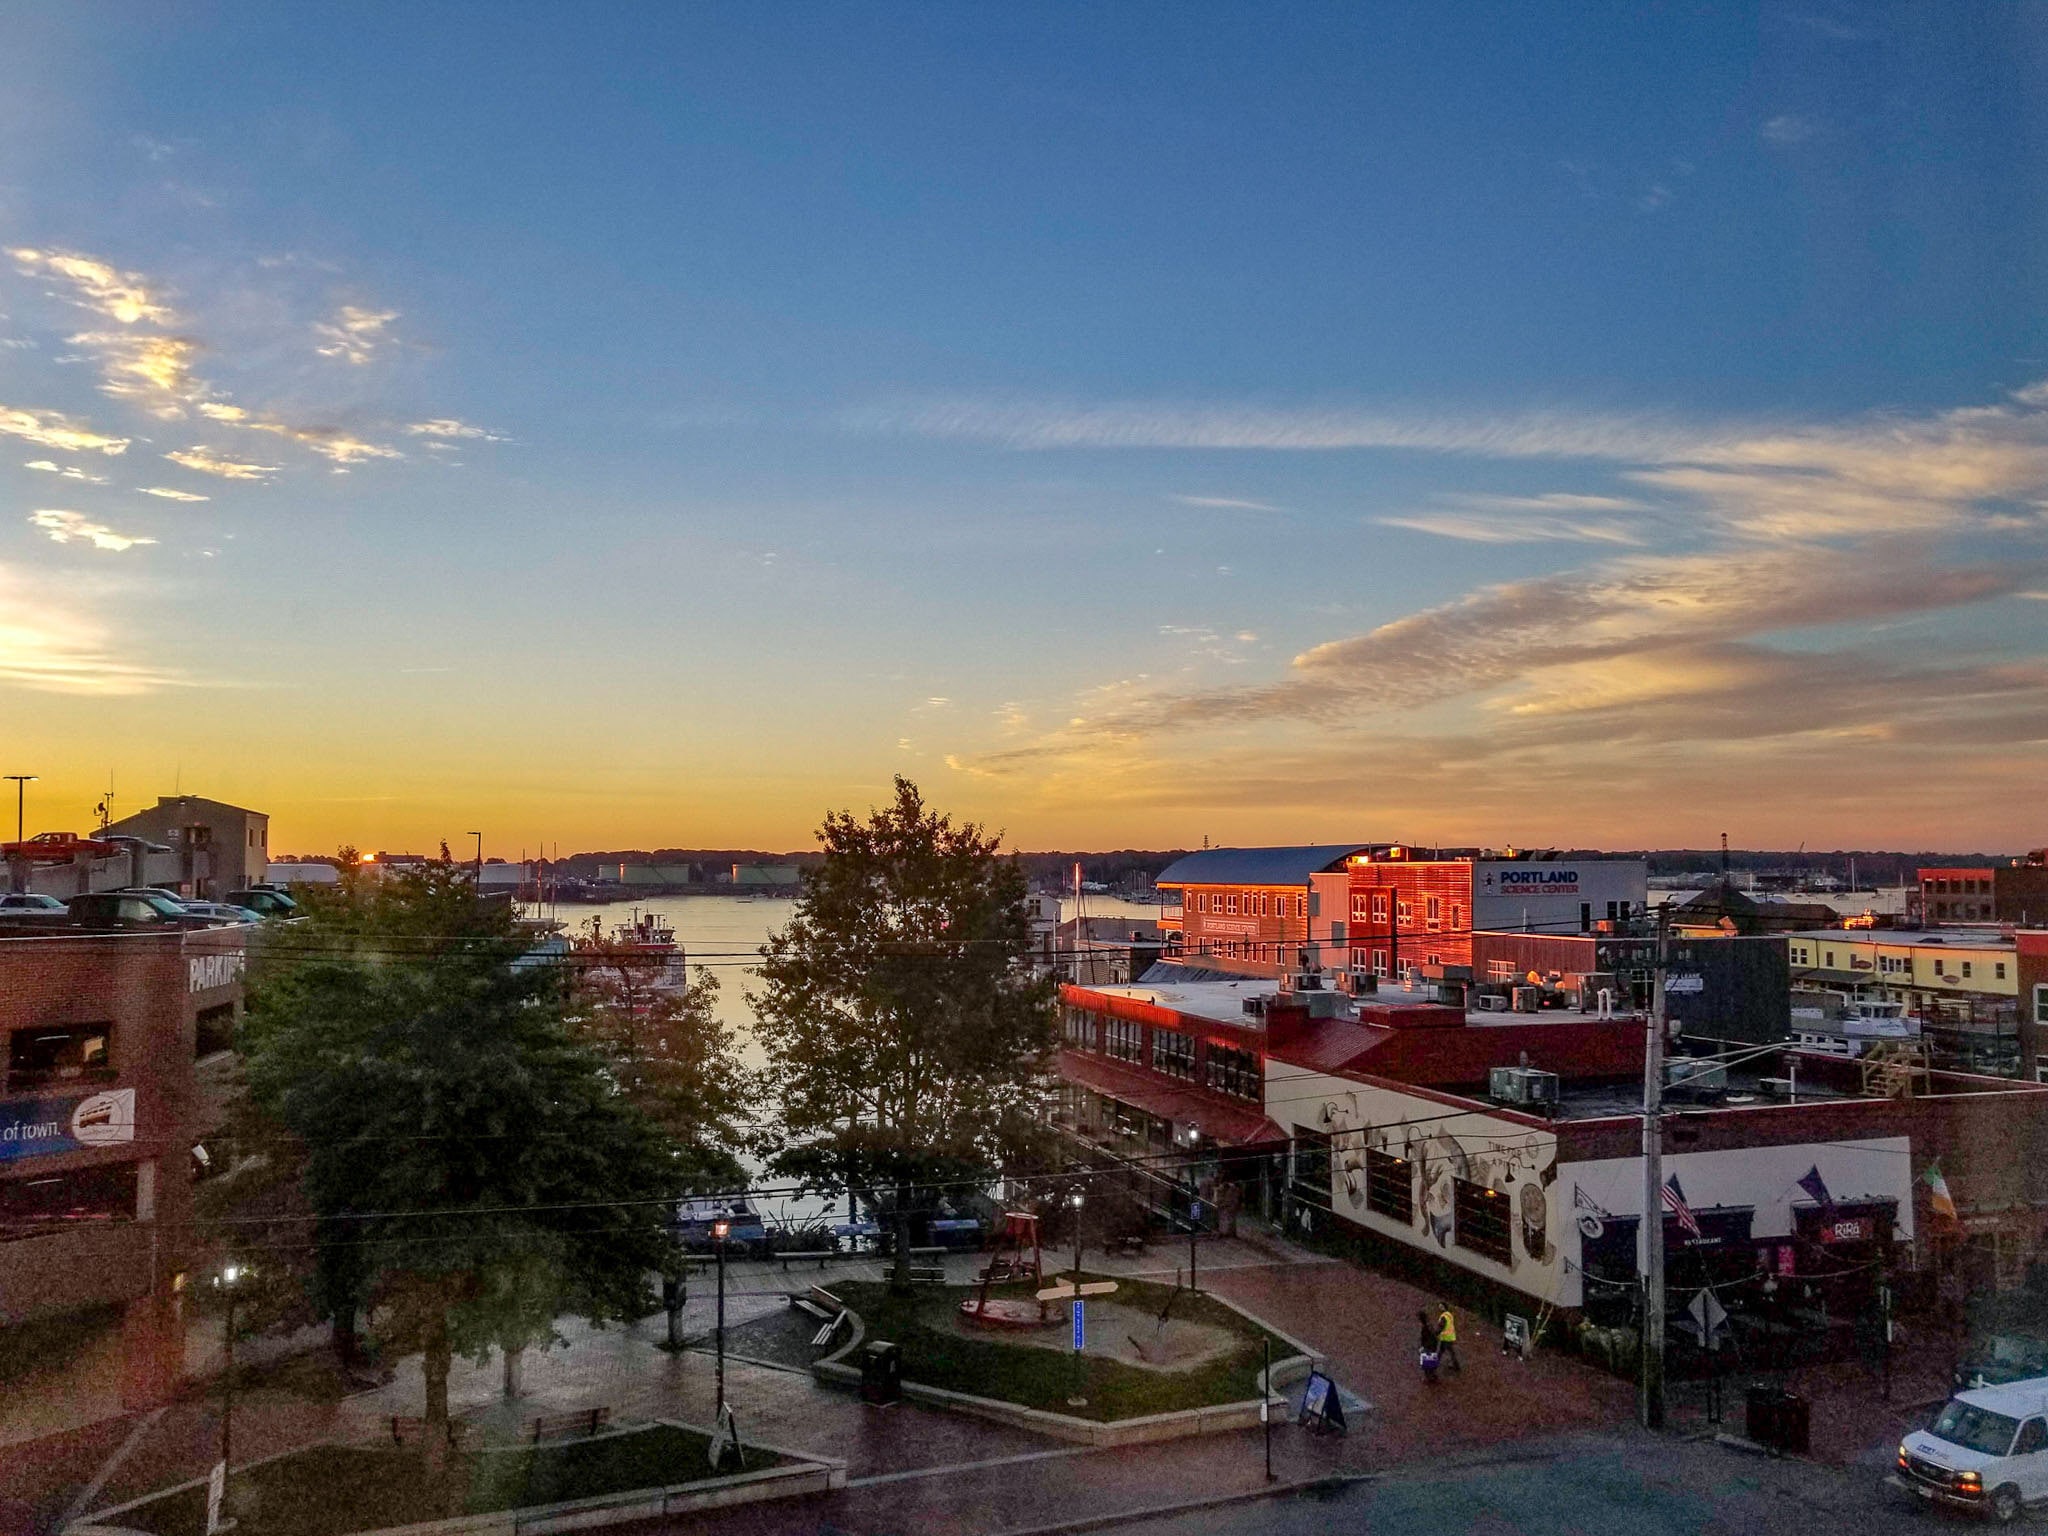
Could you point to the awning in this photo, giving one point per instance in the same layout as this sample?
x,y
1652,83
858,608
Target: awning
x,y
1228,1125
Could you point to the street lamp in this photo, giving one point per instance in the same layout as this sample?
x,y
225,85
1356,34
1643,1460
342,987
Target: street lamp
x,y
1075,1200
720,1230
230,1276
479,858
21,784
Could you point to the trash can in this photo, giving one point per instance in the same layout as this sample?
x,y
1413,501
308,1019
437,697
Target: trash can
x,y
881,1372
1779,1419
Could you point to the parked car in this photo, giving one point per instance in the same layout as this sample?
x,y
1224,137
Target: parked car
x,y
58,848
28,901
1987,1451
264,900
221,912
132,909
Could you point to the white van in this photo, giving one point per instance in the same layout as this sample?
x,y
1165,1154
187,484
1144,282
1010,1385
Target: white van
x,y
1987,1450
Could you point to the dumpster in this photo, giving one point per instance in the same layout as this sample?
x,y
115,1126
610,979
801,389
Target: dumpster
x,y
1779,1419
881,1372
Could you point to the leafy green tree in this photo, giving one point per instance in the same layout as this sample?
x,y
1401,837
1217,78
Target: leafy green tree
x,y
675,1060
907,1040
471,1167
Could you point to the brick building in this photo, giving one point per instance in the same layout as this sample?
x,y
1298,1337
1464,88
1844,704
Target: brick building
x,y
103,1100
1255,909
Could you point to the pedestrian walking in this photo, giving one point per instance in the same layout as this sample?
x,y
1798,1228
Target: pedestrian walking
x,y
1447,1338
1427,1353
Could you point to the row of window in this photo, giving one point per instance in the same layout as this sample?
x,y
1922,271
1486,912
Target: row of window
x,y
1892,965
1371,907
1172,1053
1958,887
1377,961
1247,903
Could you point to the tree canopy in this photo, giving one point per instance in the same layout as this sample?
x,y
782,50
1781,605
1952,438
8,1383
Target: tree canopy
x,y
472,1167
906,1038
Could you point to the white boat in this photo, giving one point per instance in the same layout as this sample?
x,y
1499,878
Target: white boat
x,y
1842,1025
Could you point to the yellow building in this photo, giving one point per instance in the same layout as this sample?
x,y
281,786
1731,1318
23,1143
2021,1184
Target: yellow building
x,y
1961,983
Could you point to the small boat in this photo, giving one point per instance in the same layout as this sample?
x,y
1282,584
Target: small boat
x,y
697,1219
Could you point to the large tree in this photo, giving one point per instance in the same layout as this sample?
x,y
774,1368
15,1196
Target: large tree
x,y
906,1036
472,1169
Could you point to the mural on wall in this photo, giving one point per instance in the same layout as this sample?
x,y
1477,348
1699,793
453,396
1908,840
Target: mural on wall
x,y
1439,1152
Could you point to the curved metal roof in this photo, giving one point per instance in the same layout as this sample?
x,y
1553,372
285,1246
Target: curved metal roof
x,y
1258,866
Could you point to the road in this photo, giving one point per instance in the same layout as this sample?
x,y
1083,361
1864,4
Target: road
x,y
1604,1484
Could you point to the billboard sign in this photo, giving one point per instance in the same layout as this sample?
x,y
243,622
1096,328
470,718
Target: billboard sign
x,y
40,1127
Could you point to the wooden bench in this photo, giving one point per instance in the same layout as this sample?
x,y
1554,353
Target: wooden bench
x,y
927,1274
823,1255
410,1430
570,1426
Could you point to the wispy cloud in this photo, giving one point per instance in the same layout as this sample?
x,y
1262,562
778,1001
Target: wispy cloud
x,y
77,528
333,443
355,335
1558,517
68,471
206,462
1788,128
50,641
53,429
1227,504
447,426
167,494
123,297
151,370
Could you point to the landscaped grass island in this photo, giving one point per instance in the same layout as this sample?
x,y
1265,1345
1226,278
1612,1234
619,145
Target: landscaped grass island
x,y
1143,1358
343,1490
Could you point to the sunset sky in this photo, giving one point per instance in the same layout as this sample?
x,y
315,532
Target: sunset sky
x,y
640,426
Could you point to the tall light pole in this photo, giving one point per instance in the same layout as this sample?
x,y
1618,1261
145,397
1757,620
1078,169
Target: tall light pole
x,y
719,1231
230,1276
1653,1189
1075,1200
21,784
479,858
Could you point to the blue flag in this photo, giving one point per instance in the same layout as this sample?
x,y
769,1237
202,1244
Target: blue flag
x,y
1817,1188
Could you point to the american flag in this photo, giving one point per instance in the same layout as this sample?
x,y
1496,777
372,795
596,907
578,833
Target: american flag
x,y
1674,1202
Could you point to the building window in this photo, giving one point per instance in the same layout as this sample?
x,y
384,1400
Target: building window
x,y
1379,906
1173,1053
1998,970
1585,917
1457,917
1230,903
61,1201
2041,1002
1379,962
215,1031
1966,970
1434,910
1796,953
1123,1038
1081,1030
1264,902
1388,1188
1301,907
72,1053
1500,970
1235,1072
1312,1160
1480,1221
1831,960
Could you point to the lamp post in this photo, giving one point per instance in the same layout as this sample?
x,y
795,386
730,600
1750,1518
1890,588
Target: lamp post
x,y
719,1230
230,1276
21,784
1075,1200
479,858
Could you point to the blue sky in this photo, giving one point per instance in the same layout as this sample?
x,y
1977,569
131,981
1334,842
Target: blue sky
x,y
659,424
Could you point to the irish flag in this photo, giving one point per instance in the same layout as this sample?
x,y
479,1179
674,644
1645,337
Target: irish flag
x,y
1939,1200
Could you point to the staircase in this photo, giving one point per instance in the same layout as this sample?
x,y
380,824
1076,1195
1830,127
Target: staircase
x,y
1891,1067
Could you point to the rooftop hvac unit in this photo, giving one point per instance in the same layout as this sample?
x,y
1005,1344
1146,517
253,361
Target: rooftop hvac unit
x,y
1491,1002
1696,1075
1526,1000
1776,1087
1255,1007
1364,982
1305,981
1525,1086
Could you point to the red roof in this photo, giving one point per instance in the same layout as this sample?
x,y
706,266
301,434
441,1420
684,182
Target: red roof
x,y
1233,1125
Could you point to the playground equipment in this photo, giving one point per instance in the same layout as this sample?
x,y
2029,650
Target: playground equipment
x,y
1010,1263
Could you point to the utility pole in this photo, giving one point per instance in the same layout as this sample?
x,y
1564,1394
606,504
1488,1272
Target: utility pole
x,y
479,859
21,784
1653,1189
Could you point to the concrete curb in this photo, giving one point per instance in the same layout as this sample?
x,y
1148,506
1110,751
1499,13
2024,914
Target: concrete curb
x,y
1286,1487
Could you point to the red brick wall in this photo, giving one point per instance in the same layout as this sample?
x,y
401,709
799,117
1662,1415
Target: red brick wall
x,y
1450,882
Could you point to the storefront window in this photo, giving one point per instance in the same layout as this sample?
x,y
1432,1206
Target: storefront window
x,y
1389,1189
74,1052
56,1202
1123,1039
1173,1053
1481,1221
1235,1072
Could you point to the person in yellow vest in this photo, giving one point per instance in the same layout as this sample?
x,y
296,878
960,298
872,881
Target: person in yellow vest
x,y
1447,1338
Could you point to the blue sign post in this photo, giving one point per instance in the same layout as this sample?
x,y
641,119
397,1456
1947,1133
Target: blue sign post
x,y
1080,1325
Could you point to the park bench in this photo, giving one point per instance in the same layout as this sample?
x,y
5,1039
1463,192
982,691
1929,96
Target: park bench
x,y
570,1426
927,1274
823,1255
407,1429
